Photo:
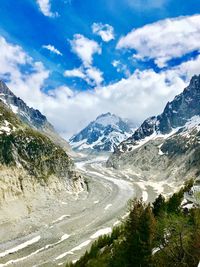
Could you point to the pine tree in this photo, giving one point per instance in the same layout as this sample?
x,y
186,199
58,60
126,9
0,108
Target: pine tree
x,y
159,206
139,233
173,205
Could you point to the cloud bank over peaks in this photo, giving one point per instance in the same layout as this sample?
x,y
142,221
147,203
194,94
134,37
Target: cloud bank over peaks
x,y
141,95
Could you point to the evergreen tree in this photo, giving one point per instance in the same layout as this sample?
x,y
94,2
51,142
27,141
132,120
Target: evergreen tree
x,y
139,232
173,205
159,206
147,231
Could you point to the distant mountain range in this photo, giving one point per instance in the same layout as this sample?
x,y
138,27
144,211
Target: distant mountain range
x,y
103,134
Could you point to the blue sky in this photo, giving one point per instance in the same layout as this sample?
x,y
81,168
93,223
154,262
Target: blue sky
x,y
72,58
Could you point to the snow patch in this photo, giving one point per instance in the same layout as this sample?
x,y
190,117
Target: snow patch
x,y
64,237
193,122
14,108
63,255
61,218
160,151
82,245
71,252
100,232
144,196
6,127
116,223
21,246
108,206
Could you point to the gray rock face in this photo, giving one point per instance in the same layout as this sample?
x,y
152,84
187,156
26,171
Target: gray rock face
x,y
30,163
32,117
176,114
176,157
102,134
166,146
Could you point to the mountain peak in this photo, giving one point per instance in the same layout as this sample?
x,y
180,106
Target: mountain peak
x,y
103,115
194,84
29,115
4,88
102,134
107,119
33,117
175,115
194,79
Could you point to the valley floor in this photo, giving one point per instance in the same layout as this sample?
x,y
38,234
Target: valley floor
x,y
63,228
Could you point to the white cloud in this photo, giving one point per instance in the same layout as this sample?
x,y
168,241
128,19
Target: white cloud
x,y
120,67
115,63
77,72
91,75
52,49
94,76
45,8
141,95
105,31
12,57
61,92
164,40
85,48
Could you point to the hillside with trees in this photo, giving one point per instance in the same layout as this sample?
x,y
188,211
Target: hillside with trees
x,y
164,233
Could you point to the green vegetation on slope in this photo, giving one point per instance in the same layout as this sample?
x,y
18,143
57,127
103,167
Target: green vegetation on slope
x,y
161,234
34,152
23,147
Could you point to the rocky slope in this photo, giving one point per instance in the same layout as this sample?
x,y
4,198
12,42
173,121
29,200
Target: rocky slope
x,y
175,114
30,116
31,165
168,145
107,131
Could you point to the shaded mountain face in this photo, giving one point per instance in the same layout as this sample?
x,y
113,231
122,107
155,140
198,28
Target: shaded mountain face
x,y
32,117
31,164
176,114
165,146
102,134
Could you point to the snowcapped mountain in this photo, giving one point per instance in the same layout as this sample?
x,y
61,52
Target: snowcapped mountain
x,y
175,115
33,117
107,131
18,106
166,146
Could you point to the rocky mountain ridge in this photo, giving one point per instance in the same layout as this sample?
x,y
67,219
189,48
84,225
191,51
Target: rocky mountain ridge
x,y
176,113
102,134
32,166
32,117
166,146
